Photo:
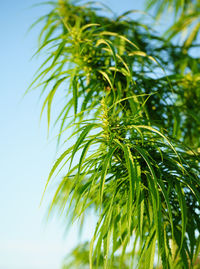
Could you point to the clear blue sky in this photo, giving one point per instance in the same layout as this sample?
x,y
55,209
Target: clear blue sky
x,y
26,156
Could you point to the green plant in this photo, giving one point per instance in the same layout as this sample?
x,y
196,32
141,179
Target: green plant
x,y
132,105
187,14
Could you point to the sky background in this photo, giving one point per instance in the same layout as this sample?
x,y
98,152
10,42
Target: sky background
x,y
27,240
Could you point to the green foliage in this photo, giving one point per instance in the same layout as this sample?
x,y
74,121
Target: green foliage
x,y
133,99
187,14
79,258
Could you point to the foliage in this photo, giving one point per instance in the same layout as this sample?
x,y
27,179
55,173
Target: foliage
x,y
135,98
79,258
187,14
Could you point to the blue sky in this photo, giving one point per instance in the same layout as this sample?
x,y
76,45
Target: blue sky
x,y
26,240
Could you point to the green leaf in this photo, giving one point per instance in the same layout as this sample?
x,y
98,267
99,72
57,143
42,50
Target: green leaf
x,y
104,171
75,94
80,139
49,98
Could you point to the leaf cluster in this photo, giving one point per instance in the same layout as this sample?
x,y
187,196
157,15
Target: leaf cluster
x,y
132,103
